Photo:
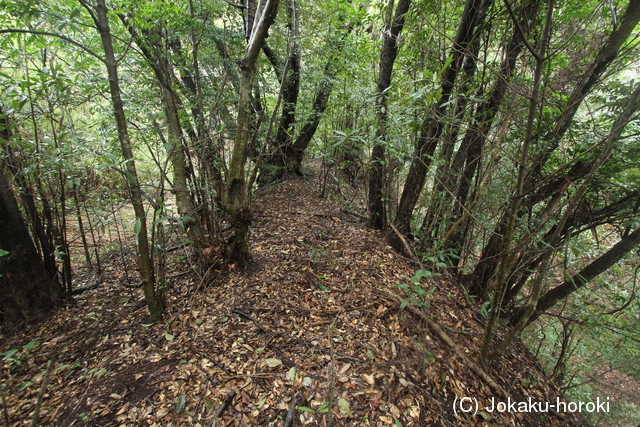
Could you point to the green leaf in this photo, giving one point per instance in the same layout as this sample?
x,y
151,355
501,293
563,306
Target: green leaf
x,y
132,179
291,373
162,219
31,344
138,226
3,252
404,303
168,337
9,354
305,409
181,402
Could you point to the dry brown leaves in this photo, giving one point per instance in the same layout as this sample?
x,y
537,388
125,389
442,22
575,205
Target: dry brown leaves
x,y
300,335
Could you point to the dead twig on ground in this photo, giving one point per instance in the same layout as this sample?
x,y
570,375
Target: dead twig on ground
x,y
225,404
43,388
442,335
289,419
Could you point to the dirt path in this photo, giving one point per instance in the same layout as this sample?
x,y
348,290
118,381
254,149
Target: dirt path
x,y
304,333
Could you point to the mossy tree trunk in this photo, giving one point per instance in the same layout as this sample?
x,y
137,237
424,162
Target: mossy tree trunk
x,y
235,198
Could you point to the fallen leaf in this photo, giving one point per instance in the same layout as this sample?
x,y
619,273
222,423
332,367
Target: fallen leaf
x,y
273,362
345,407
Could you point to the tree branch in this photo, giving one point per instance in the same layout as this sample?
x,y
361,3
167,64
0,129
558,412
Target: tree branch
x,y
60,36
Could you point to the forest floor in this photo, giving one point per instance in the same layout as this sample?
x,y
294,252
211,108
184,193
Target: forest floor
x,y
308,335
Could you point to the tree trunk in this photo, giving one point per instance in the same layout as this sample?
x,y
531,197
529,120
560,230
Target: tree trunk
x,y
472,145
146,267
487,265
388,53
436,217
288,159
178,162
292,83
500,284
579,280
235,196
432,127
150,44
27,290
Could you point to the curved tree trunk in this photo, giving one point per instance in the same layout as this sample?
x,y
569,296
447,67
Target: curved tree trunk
x,y
579,280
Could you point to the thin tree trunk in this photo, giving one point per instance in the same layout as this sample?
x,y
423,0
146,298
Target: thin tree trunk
x,y
500,284
291,89
432,127
83,236
146,267
531,306
388,53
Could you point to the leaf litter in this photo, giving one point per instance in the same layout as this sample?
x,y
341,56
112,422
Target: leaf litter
x,y
307,335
